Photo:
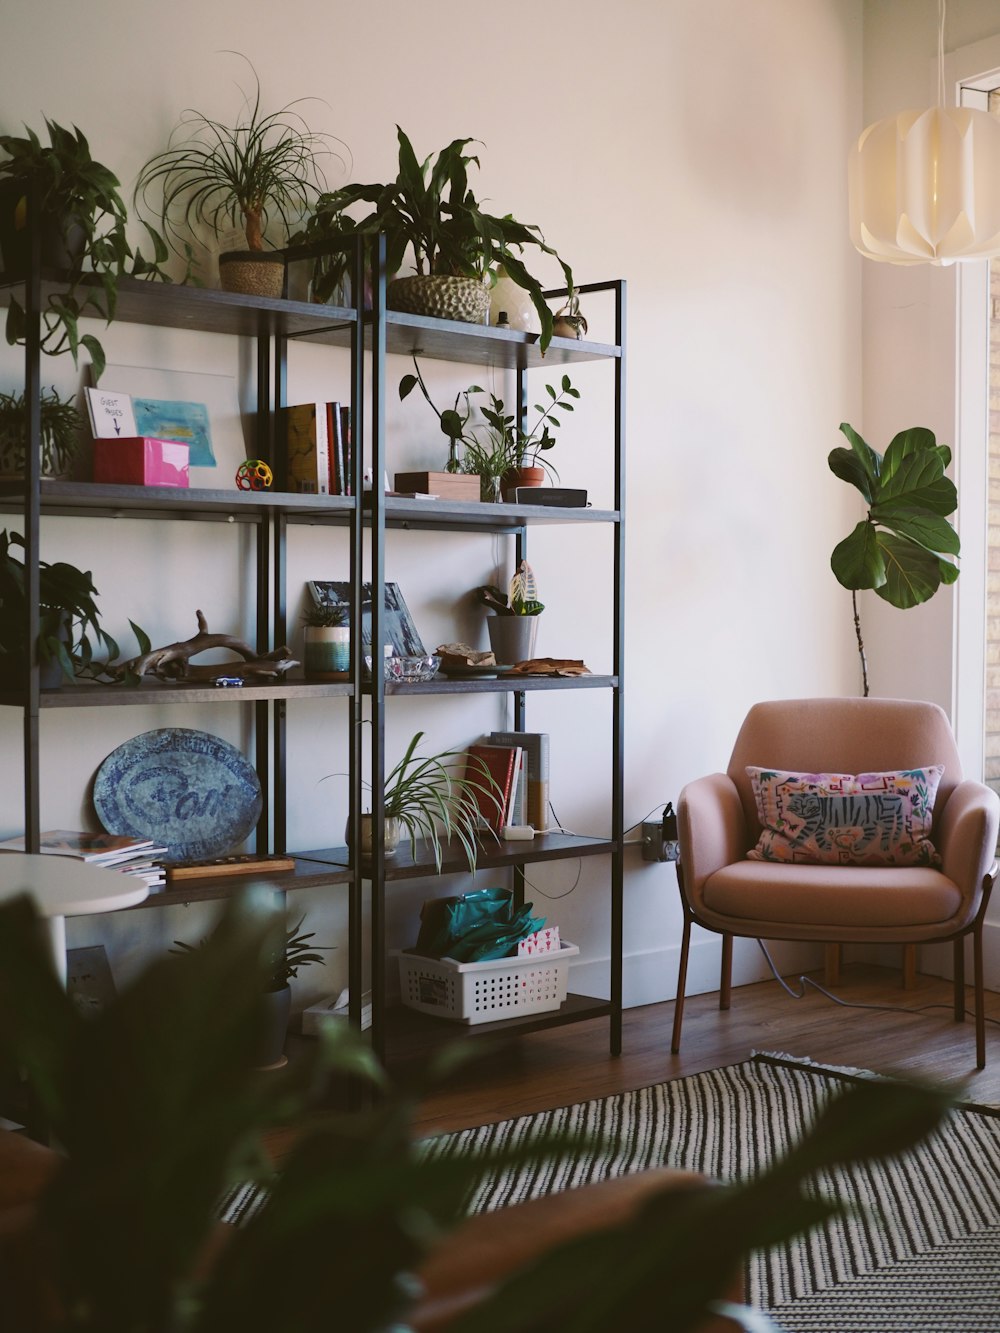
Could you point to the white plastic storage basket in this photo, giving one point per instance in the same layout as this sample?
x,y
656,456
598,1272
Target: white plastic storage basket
x,y
485,992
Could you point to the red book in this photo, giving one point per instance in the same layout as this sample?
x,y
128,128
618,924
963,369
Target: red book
x,y
492,768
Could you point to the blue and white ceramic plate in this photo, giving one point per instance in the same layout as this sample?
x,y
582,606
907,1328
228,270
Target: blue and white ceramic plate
x,y
192,792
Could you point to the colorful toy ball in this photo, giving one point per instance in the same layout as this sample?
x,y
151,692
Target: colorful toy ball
x,y
254,475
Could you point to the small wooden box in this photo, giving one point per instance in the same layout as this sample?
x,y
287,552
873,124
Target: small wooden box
x,y
446,485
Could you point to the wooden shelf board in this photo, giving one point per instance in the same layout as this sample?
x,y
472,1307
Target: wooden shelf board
x,y
93,695
306,875
492,855
502,685
171,305
409,1033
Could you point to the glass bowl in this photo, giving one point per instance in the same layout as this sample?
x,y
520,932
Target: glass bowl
x,y
410,669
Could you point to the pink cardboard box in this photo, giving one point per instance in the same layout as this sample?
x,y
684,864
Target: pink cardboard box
x,y
139,460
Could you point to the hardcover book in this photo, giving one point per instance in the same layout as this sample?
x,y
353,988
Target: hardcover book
x,y
536,747
307,448
493,768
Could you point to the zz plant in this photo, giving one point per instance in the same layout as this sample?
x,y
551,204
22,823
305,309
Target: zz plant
x,y
900,549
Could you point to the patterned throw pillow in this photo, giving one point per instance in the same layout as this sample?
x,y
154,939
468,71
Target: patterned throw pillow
x,y
868,819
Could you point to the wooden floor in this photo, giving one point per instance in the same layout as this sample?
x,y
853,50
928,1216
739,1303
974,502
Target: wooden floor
x,y
572,1064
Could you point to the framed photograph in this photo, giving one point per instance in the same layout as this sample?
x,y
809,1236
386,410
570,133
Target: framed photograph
x,y
397,624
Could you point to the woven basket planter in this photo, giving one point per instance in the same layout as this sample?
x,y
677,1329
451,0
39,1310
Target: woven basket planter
x,y
465,299
252,272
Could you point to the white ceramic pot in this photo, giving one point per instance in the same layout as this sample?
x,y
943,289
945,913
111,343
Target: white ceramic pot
x,y
507,297
326,652
391,841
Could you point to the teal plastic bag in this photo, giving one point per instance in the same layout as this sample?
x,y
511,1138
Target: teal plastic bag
x,y
475,926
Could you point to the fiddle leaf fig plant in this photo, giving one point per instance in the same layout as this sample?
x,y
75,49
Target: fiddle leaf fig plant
x,y
900,549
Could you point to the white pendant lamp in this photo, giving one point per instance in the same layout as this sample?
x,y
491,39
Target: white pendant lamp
x,y
924,186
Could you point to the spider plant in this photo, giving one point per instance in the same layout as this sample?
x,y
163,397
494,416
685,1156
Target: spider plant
x,y
283,963
62,427
245,175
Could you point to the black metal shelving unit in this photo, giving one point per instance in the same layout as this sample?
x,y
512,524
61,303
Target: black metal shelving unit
x,y
371,335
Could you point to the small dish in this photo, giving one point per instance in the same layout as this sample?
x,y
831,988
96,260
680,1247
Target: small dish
x,y
409,670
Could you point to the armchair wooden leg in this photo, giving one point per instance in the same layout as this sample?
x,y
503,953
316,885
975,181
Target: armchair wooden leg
x,y
977,965
958,969
909,966
831,965
726,979
675,1041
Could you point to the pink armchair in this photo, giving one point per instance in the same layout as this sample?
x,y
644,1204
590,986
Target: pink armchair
x,y
723,891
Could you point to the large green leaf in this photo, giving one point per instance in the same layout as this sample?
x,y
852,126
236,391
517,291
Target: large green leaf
x,y
857,560
912,575
869,459
848,467
930,531
917,439
920,482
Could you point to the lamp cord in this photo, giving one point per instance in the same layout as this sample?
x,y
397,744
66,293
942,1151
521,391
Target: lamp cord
x,y
804,981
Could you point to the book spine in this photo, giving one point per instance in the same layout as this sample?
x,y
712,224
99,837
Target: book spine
x,y
345,432
307,449
335,421
322,450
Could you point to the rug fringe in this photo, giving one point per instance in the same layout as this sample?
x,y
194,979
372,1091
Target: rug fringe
x,y
808,1063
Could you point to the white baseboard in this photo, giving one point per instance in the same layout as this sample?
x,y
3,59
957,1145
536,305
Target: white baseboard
x,y
649,978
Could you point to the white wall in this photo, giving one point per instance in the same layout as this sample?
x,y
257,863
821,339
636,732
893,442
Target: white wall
x,y
696,148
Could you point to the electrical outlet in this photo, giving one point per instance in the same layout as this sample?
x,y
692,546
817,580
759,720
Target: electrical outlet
x,y
654,846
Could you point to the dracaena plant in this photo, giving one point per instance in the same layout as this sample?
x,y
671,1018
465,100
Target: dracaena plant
x,y
431,210
900,549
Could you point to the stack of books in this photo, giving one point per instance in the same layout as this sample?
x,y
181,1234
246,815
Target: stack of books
x,y
139,857
318,448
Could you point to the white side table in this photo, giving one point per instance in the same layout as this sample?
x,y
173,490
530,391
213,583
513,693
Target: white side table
x,y
62,886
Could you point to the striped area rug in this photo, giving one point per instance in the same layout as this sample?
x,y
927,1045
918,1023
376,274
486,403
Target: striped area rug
x,y
728,1123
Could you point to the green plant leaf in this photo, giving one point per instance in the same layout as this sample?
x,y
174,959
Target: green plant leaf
x,y
858,561
912,575
846,465
930,531
866,455
919,481
918,439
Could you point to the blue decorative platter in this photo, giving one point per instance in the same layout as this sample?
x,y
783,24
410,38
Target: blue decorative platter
x,y
192,792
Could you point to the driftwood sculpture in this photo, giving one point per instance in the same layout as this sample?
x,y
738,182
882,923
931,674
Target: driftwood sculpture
x,y
172,662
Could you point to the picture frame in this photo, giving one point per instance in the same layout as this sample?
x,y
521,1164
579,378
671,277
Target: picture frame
x,y
398,626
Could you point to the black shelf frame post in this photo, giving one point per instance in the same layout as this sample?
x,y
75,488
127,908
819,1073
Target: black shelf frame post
x,y
378,924
32,522
354,479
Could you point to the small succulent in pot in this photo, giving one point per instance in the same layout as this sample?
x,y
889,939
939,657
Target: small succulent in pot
x,y
328,616
62,427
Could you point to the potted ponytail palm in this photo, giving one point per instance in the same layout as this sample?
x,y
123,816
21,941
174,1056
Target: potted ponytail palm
x,y
245,175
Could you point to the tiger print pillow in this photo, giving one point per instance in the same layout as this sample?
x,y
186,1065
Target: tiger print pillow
x,y
867,819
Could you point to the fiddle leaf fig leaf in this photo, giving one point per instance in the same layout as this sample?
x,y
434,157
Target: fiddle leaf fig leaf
x,y
948,571
848,467
916,440
930,531
920,483
912,575
857,561
866,455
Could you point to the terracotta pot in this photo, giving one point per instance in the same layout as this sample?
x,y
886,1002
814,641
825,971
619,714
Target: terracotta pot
x,y
521,476
252,272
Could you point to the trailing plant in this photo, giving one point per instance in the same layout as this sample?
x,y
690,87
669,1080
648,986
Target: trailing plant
x,y
61,428
430,210
264,167
900,549
74,197
157,1108
68,616
521,598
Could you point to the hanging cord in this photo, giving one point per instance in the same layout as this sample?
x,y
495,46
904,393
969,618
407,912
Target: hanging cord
x,y
940,54
804,981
